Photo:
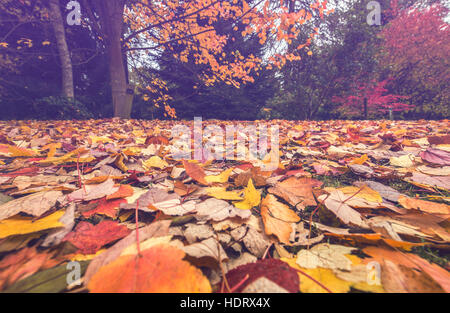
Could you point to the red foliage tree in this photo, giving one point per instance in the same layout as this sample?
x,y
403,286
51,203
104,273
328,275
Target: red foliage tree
x,y
417,43
370,99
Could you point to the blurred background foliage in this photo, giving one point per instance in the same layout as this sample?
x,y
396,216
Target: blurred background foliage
x,y
348,51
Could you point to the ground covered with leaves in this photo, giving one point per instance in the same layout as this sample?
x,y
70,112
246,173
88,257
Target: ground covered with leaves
x,y
352,206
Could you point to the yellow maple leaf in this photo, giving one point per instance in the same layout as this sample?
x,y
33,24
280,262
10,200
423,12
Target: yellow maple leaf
x,y
252,197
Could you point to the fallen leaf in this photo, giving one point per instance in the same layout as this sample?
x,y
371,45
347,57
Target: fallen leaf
x,y
252,197
34,204
277,218
298,192
20,225
425,206
218,210
335,202
274,270
159,269
92,192
89,238
195,172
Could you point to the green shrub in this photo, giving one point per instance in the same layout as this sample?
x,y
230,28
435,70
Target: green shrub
x,y
61,108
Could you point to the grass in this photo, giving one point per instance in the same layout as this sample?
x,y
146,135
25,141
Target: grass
x,y
433,255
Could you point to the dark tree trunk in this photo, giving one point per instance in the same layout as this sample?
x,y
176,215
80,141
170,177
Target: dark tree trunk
x,y
63,49
112,21
365,108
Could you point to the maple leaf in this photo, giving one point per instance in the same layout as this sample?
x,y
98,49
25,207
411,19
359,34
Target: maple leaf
x,y
252,197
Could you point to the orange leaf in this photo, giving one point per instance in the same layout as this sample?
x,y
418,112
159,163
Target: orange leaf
x,y
297,192
422,205
105,207
277,218
123,192
159,269
195,172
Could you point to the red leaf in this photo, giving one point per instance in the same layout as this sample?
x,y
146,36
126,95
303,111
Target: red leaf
x,y
89,238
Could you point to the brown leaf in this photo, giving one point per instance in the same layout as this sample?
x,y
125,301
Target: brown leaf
x,y
195,171
35,204
298,192
277,218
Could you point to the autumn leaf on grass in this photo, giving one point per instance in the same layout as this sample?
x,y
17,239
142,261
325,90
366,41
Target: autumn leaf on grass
x,y
21,152
196,172
221,178
274,270
406,160
361,160
427,181
362,192
375,239
19,225
298,192
252,197
425,206
35,204
160,269
384,191
277,218
105,207
157,140
335,202
89,238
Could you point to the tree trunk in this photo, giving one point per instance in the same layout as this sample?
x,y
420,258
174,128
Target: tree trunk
x,y
63,49
365,108
113,25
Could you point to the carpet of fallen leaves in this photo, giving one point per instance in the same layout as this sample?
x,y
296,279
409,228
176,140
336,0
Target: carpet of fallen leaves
x,y
352,206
